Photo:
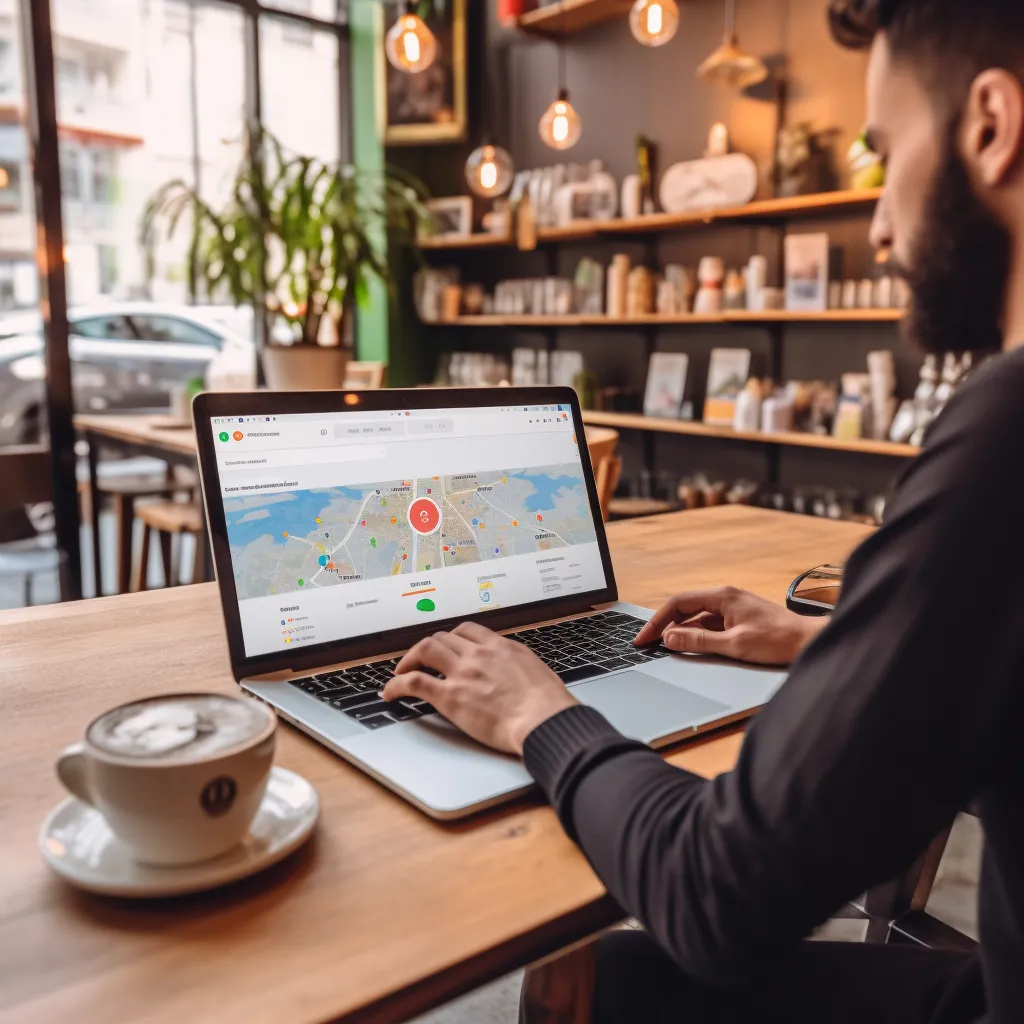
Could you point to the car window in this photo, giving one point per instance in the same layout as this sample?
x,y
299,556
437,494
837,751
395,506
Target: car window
x,y
103,327
169,328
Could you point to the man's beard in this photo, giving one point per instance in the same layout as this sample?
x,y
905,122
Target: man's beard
x,y
961,264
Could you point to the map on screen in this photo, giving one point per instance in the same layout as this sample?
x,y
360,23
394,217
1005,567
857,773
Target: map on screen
x,y
299,540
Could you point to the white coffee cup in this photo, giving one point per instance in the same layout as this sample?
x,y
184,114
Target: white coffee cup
x,y
173,792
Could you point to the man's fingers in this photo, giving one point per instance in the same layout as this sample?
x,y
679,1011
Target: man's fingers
x,y
473,631
690,640
413,684
436,652
683,607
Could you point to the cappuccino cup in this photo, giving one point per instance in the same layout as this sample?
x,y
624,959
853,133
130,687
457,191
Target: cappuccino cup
x,y
179,778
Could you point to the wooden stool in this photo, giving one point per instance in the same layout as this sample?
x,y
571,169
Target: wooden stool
x,y
169,519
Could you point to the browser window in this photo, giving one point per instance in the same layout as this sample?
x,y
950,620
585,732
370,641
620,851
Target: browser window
x,y
347,524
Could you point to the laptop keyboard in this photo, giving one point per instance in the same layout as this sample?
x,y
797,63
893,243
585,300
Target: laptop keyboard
x,y
575,650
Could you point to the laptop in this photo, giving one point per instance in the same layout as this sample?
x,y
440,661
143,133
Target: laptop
x,y
348,525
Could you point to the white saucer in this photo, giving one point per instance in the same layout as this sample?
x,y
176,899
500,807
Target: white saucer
x,y
77,843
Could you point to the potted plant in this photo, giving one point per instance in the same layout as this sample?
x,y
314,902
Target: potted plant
x,y
300,239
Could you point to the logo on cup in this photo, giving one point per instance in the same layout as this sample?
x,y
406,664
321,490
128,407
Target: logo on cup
x,y
218,795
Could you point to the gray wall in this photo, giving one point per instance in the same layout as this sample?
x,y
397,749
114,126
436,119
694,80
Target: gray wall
x,y
620,90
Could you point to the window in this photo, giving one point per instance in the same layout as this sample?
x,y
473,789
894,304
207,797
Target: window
x,y
169,328
102,190
71,159
9,85
103,327
296,31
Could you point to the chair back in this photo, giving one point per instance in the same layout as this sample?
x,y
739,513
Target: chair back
x,y
366,375
603,444
24,480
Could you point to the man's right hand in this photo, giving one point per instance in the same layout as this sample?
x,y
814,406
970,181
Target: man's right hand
x,y
732,623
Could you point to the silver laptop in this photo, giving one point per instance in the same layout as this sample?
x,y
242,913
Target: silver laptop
x,y
346,526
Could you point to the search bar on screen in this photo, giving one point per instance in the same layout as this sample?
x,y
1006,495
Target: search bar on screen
x,y
275,459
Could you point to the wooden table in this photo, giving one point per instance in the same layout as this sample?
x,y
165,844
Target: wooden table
x,y
156,436
385,913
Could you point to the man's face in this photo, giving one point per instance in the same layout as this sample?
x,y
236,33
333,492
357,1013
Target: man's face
x,y
954,253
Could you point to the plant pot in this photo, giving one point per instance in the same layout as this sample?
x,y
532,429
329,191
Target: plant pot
x,y
305,367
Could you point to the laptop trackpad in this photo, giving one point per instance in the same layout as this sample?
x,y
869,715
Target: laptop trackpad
x,y
645,708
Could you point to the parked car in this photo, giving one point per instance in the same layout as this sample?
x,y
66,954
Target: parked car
x,y
124,357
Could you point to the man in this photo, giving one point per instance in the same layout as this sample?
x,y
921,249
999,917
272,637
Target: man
x,y
907,706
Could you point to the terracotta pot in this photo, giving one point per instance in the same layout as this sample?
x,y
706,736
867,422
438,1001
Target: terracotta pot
x,y
305,367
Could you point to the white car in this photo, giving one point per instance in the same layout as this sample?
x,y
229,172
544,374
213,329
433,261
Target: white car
x,y
124,357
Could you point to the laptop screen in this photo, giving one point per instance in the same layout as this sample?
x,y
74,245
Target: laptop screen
x,y
343,525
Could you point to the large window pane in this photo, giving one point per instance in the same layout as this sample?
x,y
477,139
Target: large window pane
x,y
299,91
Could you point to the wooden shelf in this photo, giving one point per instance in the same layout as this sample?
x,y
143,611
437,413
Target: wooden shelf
x,y
634,421
477,241
829,316
569,16
822,204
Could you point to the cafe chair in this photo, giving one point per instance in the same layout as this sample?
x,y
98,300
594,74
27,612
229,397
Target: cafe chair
x,y
170,520
367,376
28,547
122,491
603,444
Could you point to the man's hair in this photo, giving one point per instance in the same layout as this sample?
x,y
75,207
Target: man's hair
x,y
949,42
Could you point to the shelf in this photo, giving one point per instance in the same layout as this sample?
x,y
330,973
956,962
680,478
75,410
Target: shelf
x,y
829,316
822,204
634,421
480,240
569,16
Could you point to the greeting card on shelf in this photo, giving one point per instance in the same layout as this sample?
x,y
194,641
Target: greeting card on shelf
x,y
807,262
666,384
727,377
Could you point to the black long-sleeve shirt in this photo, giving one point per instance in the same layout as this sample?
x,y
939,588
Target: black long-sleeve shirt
x,y
909,705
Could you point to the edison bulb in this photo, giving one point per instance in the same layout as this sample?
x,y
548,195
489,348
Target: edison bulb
x,y
654,22
489,171
560,127
410,46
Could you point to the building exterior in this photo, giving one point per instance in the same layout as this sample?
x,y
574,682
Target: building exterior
x,y
149,91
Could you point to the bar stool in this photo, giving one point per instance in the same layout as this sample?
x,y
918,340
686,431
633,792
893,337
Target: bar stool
x,y
170,519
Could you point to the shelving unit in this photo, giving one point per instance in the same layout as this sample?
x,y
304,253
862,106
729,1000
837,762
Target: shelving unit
x,y
829,316
652,424
766,210
570,16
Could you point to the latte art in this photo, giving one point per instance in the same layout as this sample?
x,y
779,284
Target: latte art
x,y
187,728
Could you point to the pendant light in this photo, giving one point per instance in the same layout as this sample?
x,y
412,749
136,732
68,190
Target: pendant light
x,y
654,22
410,46
729,66
560,126
489,168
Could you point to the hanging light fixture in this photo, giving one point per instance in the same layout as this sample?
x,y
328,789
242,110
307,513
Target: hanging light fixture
x,y
654,22
489,171
560,126
729,65
410,46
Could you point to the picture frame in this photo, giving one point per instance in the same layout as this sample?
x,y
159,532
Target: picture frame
x,y
451,216
807,267
429,107
728,373
666,384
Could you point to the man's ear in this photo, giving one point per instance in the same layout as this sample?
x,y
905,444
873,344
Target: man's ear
x,y
993,129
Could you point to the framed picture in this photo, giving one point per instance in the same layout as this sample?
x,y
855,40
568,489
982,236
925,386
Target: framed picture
x,y
727,377
452,217
666,384
807,259
430,106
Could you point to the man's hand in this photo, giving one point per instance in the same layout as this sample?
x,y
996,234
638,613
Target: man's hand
x,y
732,623
494,689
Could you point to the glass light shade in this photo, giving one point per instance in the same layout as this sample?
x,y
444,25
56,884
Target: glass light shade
x,y
489,171
560,125
654,22
410,46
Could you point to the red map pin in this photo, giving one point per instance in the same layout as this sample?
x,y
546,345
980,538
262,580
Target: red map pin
x,y
424,516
